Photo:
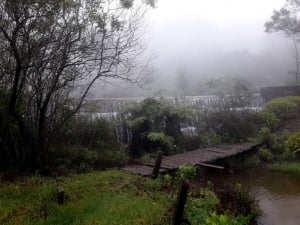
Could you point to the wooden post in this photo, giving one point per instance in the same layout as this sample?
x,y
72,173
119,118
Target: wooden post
x,y
60,195
180,202
157,164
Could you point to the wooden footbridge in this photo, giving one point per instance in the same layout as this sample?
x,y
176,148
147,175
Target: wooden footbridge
x,y
199,157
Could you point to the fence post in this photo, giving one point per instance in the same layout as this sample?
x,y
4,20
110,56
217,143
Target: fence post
x,y
60,195
157,164
180,202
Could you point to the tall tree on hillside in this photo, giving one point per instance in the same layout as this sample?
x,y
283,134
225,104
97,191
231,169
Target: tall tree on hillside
x,y
287,20
51,54
182,82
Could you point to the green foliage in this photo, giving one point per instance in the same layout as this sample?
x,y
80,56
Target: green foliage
x,y
108,158
56,53
240,204
136,122
216,219
167,180
231,126
265,155
264,134
285,146
266,119
284,107
92,198
161,141
244,203
294,99
85,145
93,134
155,125
198,210
186,171
210,138
293,143
286,167
72,159
278,142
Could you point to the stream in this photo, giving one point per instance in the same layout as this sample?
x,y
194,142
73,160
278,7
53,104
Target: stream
x,y
278,194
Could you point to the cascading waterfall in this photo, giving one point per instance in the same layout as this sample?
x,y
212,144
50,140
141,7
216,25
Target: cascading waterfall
x,y
108,108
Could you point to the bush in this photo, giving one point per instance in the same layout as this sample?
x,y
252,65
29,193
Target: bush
x,y
199,209
108,158
154,125
230,126
160,141
210,138
264,134
265,155
72,159
266,119
92,134
186,172
216,219
278,143
283,108
294,99
293,143
285,146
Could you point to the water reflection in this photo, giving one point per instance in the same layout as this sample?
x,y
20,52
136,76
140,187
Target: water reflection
x,y
278,194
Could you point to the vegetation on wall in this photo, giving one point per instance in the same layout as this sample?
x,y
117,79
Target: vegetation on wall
x,y
155,125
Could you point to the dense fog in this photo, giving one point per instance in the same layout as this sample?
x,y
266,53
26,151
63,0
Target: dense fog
x,y
209,45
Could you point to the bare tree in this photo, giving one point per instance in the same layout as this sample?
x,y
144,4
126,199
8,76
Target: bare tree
x,y
52,52
287,20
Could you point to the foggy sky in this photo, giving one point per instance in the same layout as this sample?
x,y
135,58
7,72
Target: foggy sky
x,y
216,38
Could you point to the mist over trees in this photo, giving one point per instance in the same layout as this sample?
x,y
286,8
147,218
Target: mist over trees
x,y
52,53
286,20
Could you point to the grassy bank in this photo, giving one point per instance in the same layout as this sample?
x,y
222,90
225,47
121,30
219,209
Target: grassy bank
x,y
286,167
110,197
118,198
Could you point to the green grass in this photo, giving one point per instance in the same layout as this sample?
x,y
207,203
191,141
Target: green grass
x,y
286,167
110,197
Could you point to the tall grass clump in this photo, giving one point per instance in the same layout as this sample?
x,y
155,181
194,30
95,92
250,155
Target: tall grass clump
x,y
284,107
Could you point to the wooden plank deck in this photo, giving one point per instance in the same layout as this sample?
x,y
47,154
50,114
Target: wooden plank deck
x,y
196,157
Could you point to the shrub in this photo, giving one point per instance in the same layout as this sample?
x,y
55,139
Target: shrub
x,y
199,209
286,146
192,142
278,142
283,108
238,200
230,126
72,158
210,138
294,99
111,158
186,172
160,141
265,155
266,119
293,143
154,125
264,134
90,133
216,219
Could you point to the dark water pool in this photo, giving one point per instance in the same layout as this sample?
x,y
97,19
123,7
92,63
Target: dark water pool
x,y
278,194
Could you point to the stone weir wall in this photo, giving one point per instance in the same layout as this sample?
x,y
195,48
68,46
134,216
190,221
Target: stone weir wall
x,y
268,93
114,105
